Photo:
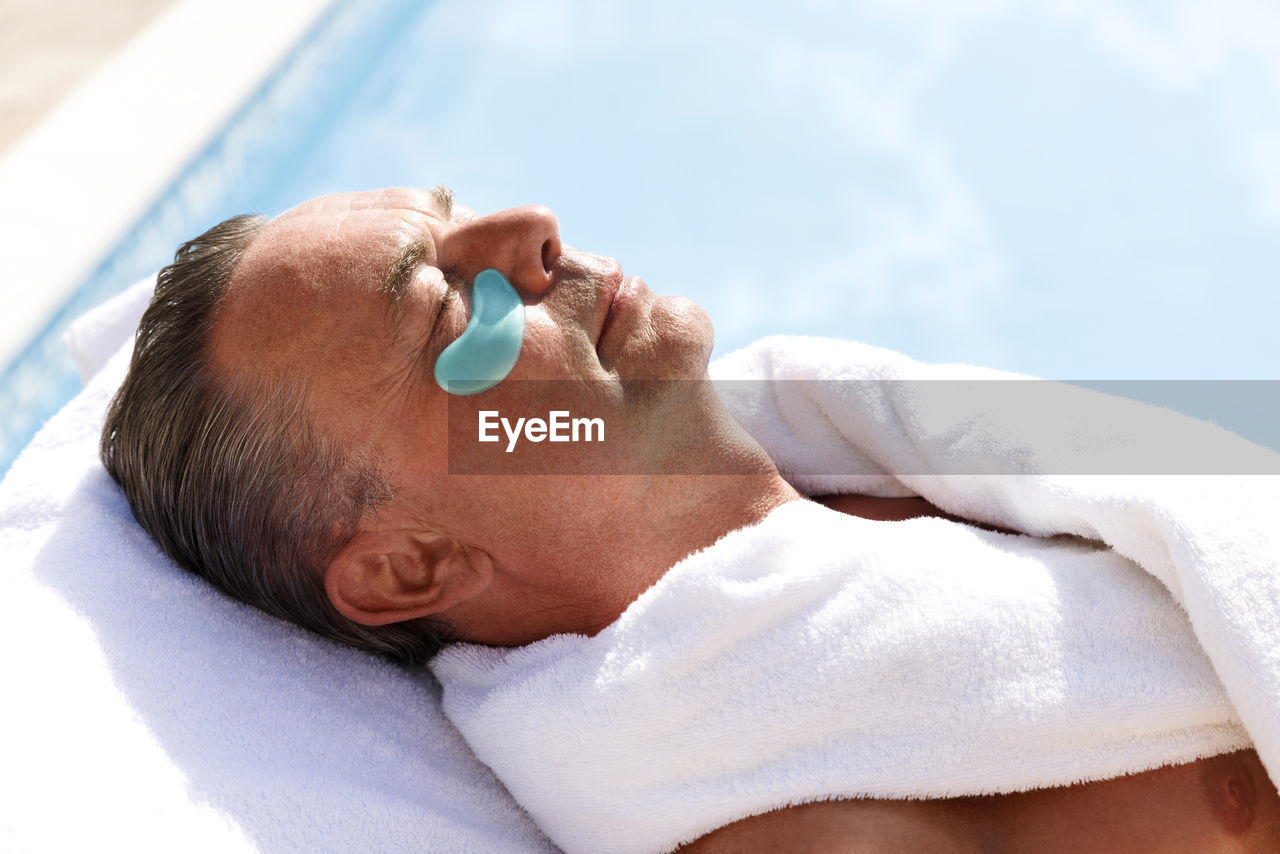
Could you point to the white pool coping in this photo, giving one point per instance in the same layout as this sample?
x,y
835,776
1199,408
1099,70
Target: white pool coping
x,y
73,185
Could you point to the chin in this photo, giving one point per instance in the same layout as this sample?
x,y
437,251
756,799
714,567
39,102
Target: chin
x,y
689,336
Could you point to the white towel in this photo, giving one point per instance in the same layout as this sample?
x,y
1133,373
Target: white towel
x,y
94,337
816,655
145,712
1212,539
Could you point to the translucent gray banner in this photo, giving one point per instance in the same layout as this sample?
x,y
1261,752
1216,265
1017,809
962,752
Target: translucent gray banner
x,y
898,427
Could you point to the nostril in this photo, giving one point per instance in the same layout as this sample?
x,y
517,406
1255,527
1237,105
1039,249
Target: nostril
x,y
550,253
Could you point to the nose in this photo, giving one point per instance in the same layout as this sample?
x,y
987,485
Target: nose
x,y
521,243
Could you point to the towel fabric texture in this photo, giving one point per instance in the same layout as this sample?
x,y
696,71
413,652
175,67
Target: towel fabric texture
x,y
145,711
1135,622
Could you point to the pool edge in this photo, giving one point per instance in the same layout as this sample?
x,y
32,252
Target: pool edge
x,y
74,184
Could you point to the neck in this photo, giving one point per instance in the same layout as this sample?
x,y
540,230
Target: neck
x,y
581,578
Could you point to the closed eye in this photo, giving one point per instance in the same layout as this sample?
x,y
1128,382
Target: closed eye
x,y
446,302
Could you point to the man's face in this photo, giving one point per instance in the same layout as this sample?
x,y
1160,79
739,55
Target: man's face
x,y
317,301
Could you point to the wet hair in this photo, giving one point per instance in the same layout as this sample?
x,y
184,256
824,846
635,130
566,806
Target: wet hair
x,y
228,474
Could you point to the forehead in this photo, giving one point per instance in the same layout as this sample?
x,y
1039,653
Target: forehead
x,y
365,207
311,282
346,233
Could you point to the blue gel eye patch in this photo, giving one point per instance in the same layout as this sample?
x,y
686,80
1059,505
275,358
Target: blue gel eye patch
x,y
487,350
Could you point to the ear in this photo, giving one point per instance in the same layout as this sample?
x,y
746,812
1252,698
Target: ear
x,y
388,576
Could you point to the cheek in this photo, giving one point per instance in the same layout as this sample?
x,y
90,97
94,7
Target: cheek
x,y
527,522
415,443
552,352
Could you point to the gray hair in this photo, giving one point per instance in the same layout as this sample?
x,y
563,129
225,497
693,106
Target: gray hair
x,y
231,478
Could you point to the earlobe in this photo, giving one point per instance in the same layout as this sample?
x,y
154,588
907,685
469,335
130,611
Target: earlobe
x,y
386,577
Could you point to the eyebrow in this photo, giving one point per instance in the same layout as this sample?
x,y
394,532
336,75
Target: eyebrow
x,y
443,197
399,275
396,281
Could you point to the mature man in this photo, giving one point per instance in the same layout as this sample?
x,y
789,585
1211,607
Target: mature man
x,y
280,433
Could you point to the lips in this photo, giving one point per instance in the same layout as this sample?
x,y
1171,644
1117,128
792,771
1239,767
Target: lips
x,y
614,299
